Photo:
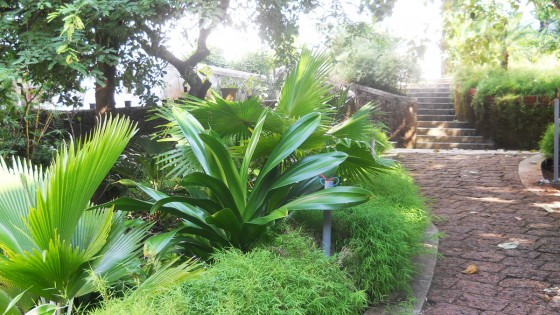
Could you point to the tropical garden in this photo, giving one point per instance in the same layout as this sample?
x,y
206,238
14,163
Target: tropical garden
x,y
504,59
219,209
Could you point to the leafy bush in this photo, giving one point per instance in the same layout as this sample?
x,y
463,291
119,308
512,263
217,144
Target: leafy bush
x,y
498,108
368,57
376,240
33,134
288,276
225,211
546,144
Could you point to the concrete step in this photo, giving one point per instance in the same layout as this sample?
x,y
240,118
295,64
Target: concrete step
x,y
428,94
451,145
429,85
424,111
435,117
445,131
436,90
434,99
451,139
435,106
443,124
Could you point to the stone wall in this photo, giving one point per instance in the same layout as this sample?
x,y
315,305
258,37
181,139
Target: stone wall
x,y
400,113
83,121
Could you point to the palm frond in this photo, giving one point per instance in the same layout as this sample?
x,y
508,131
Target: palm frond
x,y
74,176
358,127
306,89
361,164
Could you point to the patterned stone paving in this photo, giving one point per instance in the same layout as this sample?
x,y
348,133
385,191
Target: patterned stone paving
x,y
478,202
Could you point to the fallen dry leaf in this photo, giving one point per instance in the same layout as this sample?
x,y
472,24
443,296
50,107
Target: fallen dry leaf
x,y
510,245
544,297
471,270
547,208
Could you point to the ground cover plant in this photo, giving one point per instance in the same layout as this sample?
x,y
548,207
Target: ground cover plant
x,y
376,240
288,275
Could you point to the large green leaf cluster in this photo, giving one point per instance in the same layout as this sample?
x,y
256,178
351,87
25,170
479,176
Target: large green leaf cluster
x,y
251,165
51,248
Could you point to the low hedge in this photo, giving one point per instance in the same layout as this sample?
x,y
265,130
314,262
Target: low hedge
x,y
512,107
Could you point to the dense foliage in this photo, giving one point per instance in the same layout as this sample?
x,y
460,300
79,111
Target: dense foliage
x,y
512,107
377,240
371,58
288,275
546,144
499,32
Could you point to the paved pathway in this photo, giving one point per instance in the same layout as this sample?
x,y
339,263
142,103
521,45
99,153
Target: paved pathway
x,y
479,202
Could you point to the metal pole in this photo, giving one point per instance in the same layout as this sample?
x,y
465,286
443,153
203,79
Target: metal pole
x,y
327,223
327,226
556,114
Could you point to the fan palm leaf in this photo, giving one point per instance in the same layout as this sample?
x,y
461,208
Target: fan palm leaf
x,y
50,243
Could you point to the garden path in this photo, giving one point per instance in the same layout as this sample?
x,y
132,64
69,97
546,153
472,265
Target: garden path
x,y
479,204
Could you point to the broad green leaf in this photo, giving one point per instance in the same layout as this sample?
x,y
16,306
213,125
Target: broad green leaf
x,y
335,198
207,205
291,140
225,169
192,129
8,304
158,243
309,167
227,220
272,216
43,309
253,141
219,190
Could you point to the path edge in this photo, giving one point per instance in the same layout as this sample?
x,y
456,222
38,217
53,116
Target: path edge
x,y
425,263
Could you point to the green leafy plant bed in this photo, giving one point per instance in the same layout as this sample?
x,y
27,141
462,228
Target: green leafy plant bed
x,y
375,241
286,276
512,107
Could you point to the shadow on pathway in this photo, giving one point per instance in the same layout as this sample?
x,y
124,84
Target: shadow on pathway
x,y
478,203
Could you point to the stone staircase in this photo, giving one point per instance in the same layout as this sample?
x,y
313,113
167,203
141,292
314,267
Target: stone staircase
x,y
437,127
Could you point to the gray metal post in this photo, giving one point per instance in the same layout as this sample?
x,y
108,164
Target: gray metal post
x,y
327,223
556,114
327,227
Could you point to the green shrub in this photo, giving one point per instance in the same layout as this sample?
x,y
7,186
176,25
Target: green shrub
x,y
498,108
546,144
288,276
376,240
366,56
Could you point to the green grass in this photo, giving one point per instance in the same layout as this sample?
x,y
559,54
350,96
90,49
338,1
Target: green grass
x,y
375,241
287,276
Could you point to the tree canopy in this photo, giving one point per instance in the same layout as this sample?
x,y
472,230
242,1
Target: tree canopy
x,y
491,32
55,44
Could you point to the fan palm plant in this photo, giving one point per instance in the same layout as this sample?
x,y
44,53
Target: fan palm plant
x,y
50,246
305,91
232,207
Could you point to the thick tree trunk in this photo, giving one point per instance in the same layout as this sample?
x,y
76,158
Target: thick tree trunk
x,y
105,94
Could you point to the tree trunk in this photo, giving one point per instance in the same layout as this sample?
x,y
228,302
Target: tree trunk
x,y
105,94
505,59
